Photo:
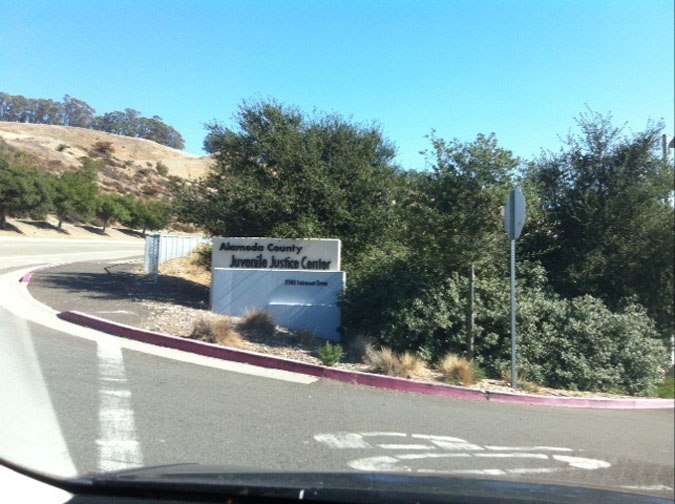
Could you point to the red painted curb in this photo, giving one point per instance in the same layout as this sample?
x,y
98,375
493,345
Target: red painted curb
x,y
356,377
26,278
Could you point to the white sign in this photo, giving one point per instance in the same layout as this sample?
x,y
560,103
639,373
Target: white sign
x,y
276,254
296,299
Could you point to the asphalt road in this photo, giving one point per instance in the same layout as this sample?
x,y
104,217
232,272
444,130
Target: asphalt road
x,y
119,405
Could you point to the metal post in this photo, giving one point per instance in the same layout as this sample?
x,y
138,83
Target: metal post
x,y
469,317
514,385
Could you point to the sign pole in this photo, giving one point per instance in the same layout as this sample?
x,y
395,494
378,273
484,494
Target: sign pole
x,y
514,219
514,384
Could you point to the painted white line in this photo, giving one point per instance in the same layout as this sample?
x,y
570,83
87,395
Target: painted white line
x,y
438,438
533,470
457,445
465,472
512,455
528,448
405,447
346,440
418,456
117,445
582,463
115,311
373,464
448,447
391,434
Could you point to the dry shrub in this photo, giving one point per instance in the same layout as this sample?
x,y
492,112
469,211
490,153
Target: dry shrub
x,y
387,362
259,322
225,334
456,369
202,329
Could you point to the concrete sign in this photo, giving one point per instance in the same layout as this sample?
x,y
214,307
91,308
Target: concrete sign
x,y
276,254
296,299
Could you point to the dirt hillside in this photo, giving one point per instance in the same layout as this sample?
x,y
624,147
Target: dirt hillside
x,y
65,146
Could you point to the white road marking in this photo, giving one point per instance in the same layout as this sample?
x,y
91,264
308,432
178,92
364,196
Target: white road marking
x,y
417,456
373,464
405,447
455,448
117,445
512,455
346,440
533,470
528,448
115,311
582,463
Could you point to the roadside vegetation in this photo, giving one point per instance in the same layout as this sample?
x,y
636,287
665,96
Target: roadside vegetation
x,y
595,260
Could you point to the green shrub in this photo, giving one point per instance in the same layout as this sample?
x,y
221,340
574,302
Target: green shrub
x,y
562,343
667,389
202,256
330,354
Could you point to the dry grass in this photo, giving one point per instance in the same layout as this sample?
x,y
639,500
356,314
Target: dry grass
x,y
43,141
214,329
456,369
226,335
202,328
385,361
187,268
259,322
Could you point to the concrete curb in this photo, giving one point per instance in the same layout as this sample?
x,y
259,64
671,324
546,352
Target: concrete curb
x,y
27,277
355,377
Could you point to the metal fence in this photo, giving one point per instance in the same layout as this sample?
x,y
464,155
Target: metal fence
x,y
160,248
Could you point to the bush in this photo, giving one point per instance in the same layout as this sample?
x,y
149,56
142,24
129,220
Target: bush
x,y
202,256
385,361
202,329
103,148
225,334
259,322
562,343
162,169
330,354
458,370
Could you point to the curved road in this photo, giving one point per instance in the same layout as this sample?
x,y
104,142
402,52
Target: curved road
x,y
75,401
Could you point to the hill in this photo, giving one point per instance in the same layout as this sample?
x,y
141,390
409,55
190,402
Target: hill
x,y
127,165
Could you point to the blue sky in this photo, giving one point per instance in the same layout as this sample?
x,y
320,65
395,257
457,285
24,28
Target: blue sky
x,y
522,69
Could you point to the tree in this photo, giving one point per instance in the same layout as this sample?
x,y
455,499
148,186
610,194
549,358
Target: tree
x,y
110,207
608,200
22,191
282,174
156,215
73,195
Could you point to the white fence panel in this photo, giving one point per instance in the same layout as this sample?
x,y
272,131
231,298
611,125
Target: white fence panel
x,y
160,248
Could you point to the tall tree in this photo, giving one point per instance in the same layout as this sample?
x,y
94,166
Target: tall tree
x,y
608,198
